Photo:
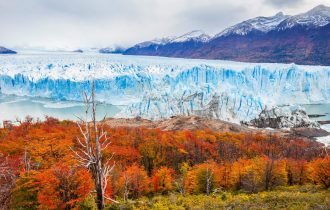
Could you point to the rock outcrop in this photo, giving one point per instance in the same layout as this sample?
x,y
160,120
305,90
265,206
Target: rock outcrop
x,y
283,117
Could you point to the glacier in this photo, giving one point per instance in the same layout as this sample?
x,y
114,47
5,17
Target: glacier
x,y
157,87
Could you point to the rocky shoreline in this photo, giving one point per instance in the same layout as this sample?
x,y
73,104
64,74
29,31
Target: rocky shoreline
x,y
199,123
324,122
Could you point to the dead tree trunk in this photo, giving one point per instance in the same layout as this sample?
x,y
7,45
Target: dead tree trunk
x,y
89,151
126,190
209,177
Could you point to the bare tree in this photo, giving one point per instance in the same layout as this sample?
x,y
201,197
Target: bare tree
x,y
126,187
209,177
89,153
27,161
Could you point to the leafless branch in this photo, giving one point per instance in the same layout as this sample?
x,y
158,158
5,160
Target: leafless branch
x,y
89,153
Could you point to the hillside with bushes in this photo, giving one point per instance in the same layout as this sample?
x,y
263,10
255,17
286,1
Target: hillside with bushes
x,y
158,169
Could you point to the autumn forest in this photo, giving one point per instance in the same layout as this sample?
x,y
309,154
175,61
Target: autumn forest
x,y
39,168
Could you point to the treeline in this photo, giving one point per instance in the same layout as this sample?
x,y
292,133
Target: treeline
x,y
38,169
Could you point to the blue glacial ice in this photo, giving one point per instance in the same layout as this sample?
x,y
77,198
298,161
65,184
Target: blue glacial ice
x,y
154,87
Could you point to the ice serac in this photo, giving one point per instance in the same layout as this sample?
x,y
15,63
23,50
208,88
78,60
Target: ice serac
x,y
233,94
154,87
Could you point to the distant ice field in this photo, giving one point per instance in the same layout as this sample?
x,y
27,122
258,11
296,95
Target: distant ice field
x,y
84,66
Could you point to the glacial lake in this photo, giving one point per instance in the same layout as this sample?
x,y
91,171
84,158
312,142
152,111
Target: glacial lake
x,y
323,110
18,107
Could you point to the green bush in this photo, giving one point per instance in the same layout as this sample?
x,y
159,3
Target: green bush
x,y
88,204
299,197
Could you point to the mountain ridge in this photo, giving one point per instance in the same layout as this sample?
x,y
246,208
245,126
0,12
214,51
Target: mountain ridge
x,y
301,39
4,50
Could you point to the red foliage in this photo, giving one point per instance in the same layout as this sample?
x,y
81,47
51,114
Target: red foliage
x,y
134,182
321,171
63,187
162,180
238,161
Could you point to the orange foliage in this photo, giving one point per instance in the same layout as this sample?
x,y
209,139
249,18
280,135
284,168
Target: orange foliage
x,y
203,178
134,182
162,180
297,171
63,187
198,161
321,171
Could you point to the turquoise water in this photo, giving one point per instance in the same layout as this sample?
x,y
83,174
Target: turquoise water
x,y
15,107
318,109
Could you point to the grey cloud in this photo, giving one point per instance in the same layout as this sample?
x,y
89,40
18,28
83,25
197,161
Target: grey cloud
x,y
215,18
284,3
89,23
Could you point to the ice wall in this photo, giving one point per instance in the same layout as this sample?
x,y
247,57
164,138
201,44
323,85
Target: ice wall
x,y
155,87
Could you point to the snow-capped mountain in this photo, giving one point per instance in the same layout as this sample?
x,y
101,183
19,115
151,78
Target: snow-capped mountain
x,y
161,41
163,87
112,49
261,24
197,35
4,50
317,17
302,39
78,51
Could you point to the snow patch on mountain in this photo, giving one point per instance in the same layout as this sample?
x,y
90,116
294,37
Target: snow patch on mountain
x,y
161,41
196,35
262,24
316,17
112,49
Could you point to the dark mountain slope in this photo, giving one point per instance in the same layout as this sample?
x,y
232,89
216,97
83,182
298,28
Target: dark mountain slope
x,y
4,50
301,39
299,45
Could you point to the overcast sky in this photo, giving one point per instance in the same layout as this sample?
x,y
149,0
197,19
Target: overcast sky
x,y
99,23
